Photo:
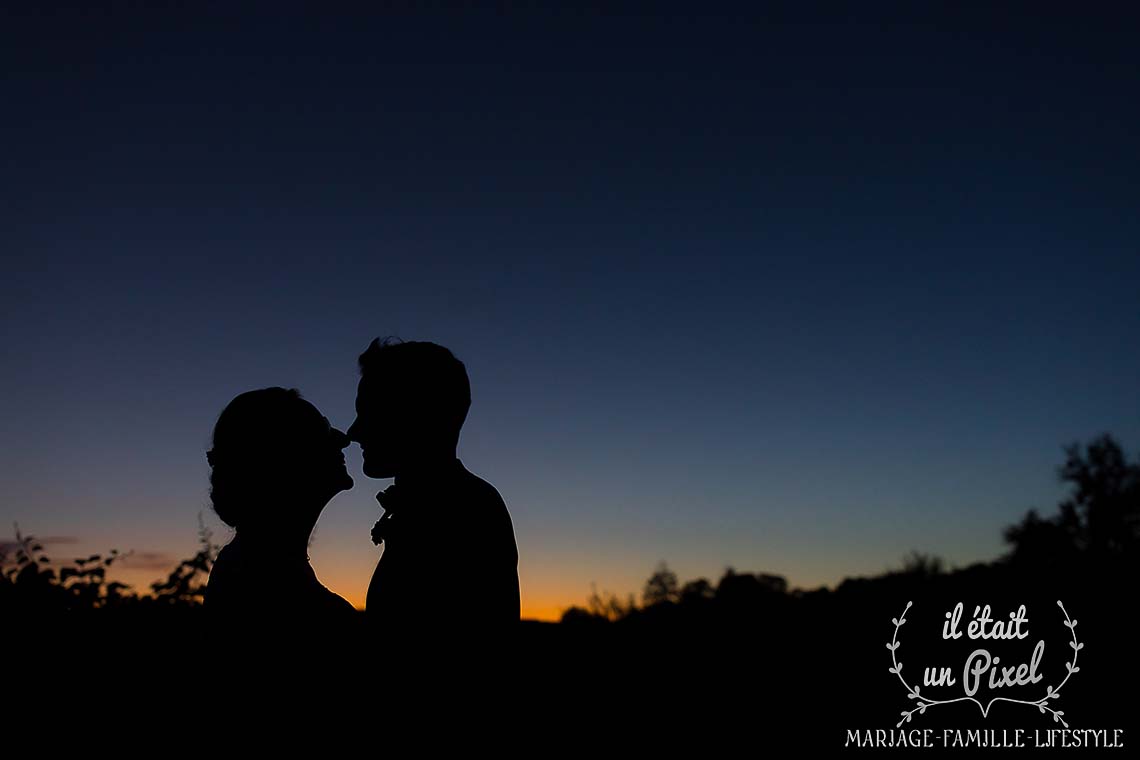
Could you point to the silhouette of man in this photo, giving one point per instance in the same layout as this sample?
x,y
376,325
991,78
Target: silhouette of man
x,y
449,552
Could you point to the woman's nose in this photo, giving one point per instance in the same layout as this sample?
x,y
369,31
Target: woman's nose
x,y
341,439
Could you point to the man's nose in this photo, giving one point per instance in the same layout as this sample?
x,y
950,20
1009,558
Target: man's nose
x,y
353,433
341,439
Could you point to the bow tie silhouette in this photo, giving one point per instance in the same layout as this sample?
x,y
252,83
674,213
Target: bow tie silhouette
x,y
390,499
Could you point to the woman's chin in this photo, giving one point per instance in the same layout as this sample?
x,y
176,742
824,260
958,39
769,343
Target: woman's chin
x,y
375,471
335,482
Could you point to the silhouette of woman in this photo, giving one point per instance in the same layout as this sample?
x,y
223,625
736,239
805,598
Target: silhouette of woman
x,y
275,463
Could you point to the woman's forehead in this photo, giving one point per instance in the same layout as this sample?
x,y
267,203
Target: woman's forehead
x,y
310,414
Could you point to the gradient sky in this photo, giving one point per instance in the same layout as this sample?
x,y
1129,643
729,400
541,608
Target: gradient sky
x,y
790,293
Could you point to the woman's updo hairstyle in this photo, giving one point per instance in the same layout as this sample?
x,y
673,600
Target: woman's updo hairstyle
x,y
251,444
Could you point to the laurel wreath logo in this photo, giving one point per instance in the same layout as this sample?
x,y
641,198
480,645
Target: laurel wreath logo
x,y
925,702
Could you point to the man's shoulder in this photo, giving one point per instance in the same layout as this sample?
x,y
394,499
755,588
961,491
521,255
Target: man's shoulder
x,y
476,487
484,501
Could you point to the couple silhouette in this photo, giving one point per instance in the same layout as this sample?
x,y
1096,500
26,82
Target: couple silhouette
x,y
449,554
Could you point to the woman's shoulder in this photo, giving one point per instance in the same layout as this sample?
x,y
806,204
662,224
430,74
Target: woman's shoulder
x,y
228,578
257,581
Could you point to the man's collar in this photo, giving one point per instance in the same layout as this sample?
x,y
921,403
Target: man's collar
x,y
407,487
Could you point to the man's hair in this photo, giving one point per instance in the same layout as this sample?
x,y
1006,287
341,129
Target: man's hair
x,y
426,375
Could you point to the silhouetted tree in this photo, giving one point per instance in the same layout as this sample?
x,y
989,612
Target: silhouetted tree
x,y
742,590
775,584
1101,517
698,591
1106,495
1038,541
662,587
579,616
609,606
924,565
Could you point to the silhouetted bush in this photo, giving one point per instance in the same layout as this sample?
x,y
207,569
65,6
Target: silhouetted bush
x,y
29,582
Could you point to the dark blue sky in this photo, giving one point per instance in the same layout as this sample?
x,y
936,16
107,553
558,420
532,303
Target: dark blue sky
x,y
794,292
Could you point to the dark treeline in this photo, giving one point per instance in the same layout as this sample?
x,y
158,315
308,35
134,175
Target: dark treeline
x,y
1093,535
784,650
